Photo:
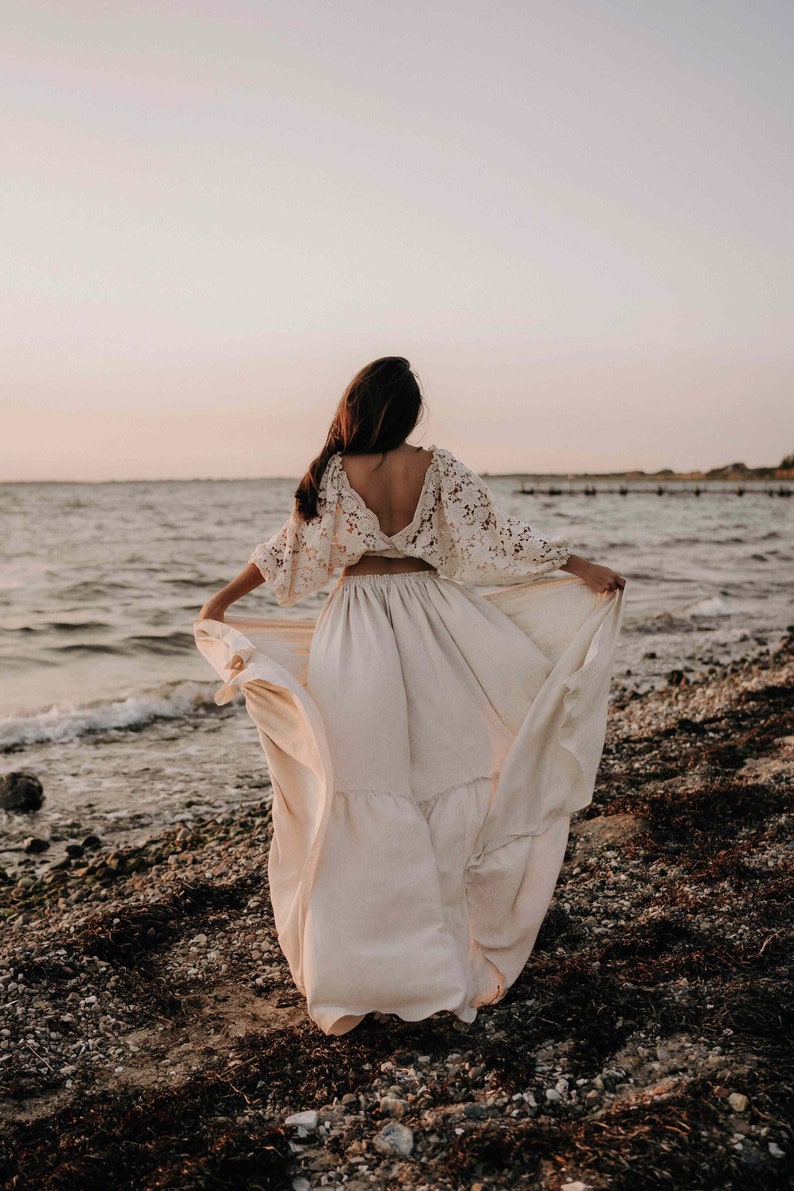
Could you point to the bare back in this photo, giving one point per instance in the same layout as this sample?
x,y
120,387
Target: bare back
x,y
391,487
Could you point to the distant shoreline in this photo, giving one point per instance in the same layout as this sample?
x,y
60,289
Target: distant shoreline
x,y
736,473
667,476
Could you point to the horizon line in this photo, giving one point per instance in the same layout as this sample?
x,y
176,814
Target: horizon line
x,y
626,474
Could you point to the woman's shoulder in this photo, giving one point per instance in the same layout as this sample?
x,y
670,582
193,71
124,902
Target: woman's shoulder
x,y
450,467
331,471
444,455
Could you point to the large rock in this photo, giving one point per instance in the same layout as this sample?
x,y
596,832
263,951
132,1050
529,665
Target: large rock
x,y
608,829
34,844
20,791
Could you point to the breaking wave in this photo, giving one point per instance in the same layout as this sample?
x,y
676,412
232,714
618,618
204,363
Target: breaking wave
x,y
170,702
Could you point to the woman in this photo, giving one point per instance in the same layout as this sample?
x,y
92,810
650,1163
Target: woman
x,y
426,744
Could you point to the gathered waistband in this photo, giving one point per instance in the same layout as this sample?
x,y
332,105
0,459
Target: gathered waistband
x,y
386,580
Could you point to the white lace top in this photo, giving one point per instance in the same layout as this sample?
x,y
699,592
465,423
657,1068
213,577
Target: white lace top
x,y
457,528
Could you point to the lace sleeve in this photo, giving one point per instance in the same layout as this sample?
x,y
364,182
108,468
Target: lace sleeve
x,y
303,555
484,544
296,560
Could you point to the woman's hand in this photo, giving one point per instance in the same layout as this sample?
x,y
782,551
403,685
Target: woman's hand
x,y
596,577
247,580
214,609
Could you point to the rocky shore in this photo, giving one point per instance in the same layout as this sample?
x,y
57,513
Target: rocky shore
x,y
151,1036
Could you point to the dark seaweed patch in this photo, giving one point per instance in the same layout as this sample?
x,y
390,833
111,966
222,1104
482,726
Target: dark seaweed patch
x,y
185,1137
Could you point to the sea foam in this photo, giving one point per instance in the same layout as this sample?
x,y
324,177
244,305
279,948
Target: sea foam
x,y
711,606
60,723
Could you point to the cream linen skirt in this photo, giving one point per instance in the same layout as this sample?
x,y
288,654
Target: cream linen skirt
x,y
427,746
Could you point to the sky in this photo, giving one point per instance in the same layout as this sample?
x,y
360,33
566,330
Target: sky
x,y
573,217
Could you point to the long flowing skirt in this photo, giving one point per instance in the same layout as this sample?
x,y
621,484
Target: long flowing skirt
x,y
427,746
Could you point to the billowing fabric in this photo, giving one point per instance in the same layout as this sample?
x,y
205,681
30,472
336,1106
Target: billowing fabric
x,y
458,528
426,747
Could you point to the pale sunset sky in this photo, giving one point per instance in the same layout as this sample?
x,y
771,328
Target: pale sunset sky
x,y
573,216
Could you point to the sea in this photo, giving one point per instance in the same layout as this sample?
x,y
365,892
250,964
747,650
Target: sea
x,y
104,696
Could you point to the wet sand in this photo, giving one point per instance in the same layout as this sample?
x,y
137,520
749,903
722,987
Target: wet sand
x,y
152,1037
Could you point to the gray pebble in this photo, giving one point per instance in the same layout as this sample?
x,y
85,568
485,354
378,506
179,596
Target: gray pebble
x,y
303,1120
393,1106
474,1112
394,1138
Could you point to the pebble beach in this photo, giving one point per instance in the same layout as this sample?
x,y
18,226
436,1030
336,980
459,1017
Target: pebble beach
x,y
151,1036
575,220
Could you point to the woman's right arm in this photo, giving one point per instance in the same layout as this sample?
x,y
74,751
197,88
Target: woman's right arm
x,y
246,581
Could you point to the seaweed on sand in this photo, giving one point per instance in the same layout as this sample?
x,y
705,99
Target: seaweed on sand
x,y
129,935
186,1137
657,990
659,1141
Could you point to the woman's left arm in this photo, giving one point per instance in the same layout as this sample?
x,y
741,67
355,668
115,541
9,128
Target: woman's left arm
x,y
246,581
597,577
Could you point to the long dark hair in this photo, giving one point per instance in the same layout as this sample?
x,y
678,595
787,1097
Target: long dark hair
x,y
378,410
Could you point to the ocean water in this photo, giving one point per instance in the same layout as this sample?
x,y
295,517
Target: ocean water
x,y
104,695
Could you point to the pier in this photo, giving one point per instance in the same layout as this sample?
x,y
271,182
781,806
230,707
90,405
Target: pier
x,y
586,487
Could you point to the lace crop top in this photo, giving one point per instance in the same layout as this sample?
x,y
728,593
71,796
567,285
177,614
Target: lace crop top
x,y
457,528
